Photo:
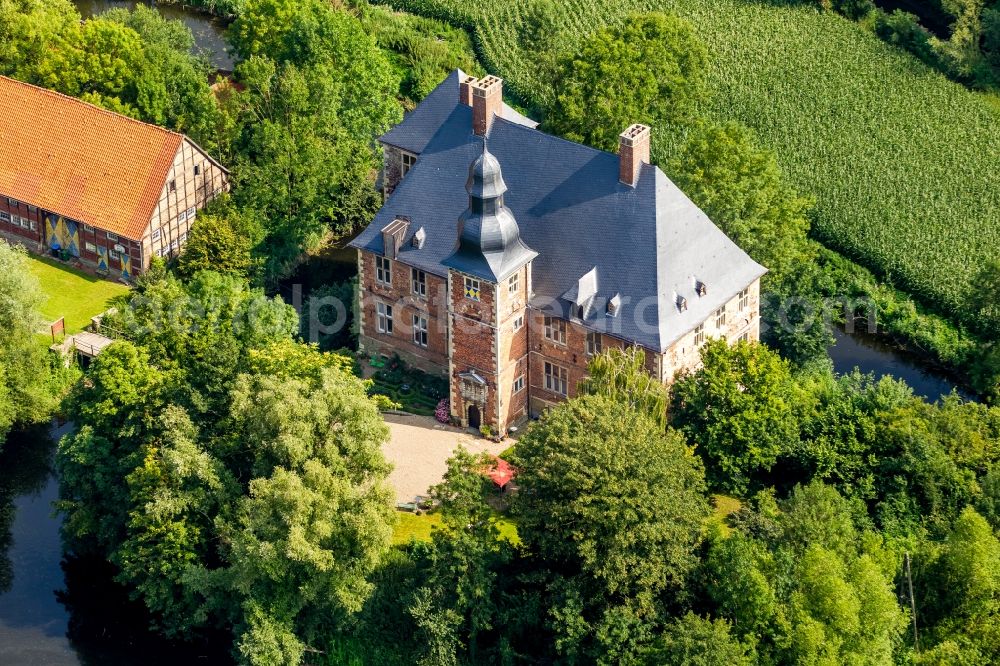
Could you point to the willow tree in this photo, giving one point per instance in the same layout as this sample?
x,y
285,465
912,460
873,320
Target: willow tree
x,y
620,374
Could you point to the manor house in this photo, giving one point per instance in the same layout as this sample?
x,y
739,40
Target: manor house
x,y
94,186
503,257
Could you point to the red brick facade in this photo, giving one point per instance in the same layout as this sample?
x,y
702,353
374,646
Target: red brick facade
x,y
406,299
495,348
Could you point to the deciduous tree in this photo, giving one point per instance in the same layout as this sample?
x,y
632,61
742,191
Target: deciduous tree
x,y
650,69
613,514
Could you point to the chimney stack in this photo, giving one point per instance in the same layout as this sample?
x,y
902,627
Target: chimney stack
x,y
633,152
487,98
465,90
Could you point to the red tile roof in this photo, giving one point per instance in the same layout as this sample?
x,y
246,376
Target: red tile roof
x,y
81,161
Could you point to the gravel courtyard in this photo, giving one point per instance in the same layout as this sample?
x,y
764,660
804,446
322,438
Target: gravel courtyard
x,y
419,448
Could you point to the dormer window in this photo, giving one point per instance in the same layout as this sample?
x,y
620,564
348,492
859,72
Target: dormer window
x,y
406,163
701,288
682,303
614,305
418,238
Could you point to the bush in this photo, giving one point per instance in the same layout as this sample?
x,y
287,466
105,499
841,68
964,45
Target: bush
x,y
903,29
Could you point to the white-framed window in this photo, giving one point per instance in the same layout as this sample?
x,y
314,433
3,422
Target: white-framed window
x,y
114,255
555,330
90,247
383,271
173,245
190,213
720,317
556,378
744,299
156,234
163,251
183,237
593,343
31,225
383,313
13,203
519,384
699,335
472,289
513,284
419,330
87,227
419,282
111,236
5,216
406,163
518,323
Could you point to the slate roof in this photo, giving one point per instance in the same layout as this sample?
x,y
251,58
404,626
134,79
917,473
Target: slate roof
x,y
419,125
489,241
81,161
647,245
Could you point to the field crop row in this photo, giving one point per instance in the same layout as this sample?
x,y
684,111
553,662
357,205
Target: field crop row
x,y
903,163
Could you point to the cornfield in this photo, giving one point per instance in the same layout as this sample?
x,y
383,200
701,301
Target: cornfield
x,y
904,165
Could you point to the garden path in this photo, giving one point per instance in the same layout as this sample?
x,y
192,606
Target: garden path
x,y
419,448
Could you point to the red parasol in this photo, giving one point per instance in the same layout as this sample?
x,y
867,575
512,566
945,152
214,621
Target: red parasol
x,y
501,472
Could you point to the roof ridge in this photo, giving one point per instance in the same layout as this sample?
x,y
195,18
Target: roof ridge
x,y
569,141
77,100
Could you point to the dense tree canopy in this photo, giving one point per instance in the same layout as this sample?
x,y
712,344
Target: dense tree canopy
x,y
614,514
739,410
27,389
232,475
133,62
740,187
648,70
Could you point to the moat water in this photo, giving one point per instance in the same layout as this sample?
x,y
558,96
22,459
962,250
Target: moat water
x,y
208,31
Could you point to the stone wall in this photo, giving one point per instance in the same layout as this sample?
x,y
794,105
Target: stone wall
x,y
513,348
685,354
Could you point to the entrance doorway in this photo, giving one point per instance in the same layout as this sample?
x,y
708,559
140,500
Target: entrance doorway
x,y
474,417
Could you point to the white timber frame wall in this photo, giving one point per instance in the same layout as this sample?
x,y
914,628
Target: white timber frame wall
x,y
193,180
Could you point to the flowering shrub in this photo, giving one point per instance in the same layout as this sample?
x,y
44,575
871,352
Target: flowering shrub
x,y
443,411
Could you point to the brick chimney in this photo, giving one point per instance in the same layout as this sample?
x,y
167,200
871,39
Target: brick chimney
x,y
633,152
487,97
465,90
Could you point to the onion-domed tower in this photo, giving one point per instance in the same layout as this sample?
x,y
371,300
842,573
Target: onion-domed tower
x,y
489,274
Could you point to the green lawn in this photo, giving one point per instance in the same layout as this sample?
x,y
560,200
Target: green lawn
x,y
71,293
412,526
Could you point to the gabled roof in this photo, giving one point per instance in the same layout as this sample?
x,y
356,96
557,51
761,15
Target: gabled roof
x,y
80,161
419,125
644,244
